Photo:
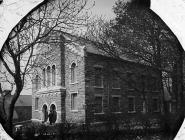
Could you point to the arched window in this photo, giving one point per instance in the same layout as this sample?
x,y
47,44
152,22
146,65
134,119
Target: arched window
x,y
52,114
98,77
37,82
48,76
53,75
44,77
73,73
45,113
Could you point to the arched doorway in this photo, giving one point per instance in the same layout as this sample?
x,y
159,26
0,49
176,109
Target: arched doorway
x,y
52,114
45,113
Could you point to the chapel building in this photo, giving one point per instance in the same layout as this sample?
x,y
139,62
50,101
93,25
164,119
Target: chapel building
x,y
84,85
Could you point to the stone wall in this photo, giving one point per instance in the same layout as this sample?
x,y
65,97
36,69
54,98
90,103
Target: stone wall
x,y
49,98
50,93
77,115
110,65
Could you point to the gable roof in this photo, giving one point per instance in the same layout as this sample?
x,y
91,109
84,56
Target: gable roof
x,y
80,46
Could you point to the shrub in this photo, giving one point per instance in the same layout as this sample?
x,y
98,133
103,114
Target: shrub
x,y
29,132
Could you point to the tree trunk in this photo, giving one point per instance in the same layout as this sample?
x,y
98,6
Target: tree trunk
x,y
8,126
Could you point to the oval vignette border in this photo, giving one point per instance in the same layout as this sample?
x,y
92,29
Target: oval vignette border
x,y
180,34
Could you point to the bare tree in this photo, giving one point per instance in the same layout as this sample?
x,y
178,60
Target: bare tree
x,y
18,53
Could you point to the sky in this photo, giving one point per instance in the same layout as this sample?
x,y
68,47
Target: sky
x,y
104,8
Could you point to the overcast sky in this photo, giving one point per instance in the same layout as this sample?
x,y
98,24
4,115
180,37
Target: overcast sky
x,y
104,8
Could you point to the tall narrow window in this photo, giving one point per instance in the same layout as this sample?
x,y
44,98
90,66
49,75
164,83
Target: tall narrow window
x,y
53,114
150,82
37,82
115,104
116,80
44,77
144,82
74,101
53,75
154,85
36,103
73,73
130,80
170,107
147,81
98,77
131,104
98,104
144,107
48,76
44,113
155,105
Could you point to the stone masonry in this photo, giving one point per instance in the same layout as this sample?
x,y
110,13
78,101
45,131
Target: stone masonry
x,y
66,81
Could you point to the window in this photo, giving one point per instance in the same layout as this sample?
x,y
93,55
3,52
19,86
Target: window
x,y
44,77
115,104
73,73
170,107
53,114
147,81
155,105
74,101
116,81
98,77
44,113
150,83
98,104
144,108
37,82
36,103
154,84
48,76
131,82
53,75
131,104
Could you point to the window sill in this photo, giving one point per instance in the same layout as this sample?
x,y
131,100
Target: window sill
x,y
130,89
116,88
73,83
101,113
36,110
74,111
157,111
99,87
155,90
116,112
131,112
93,123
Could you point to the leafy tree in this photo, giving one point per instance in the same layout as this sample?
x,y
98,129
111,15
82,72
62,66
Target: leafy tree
x,y
141,36
145,38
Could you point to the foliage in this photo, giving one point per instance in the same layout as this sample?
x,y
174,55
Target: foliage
x,y
113,129
143,36
137,34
